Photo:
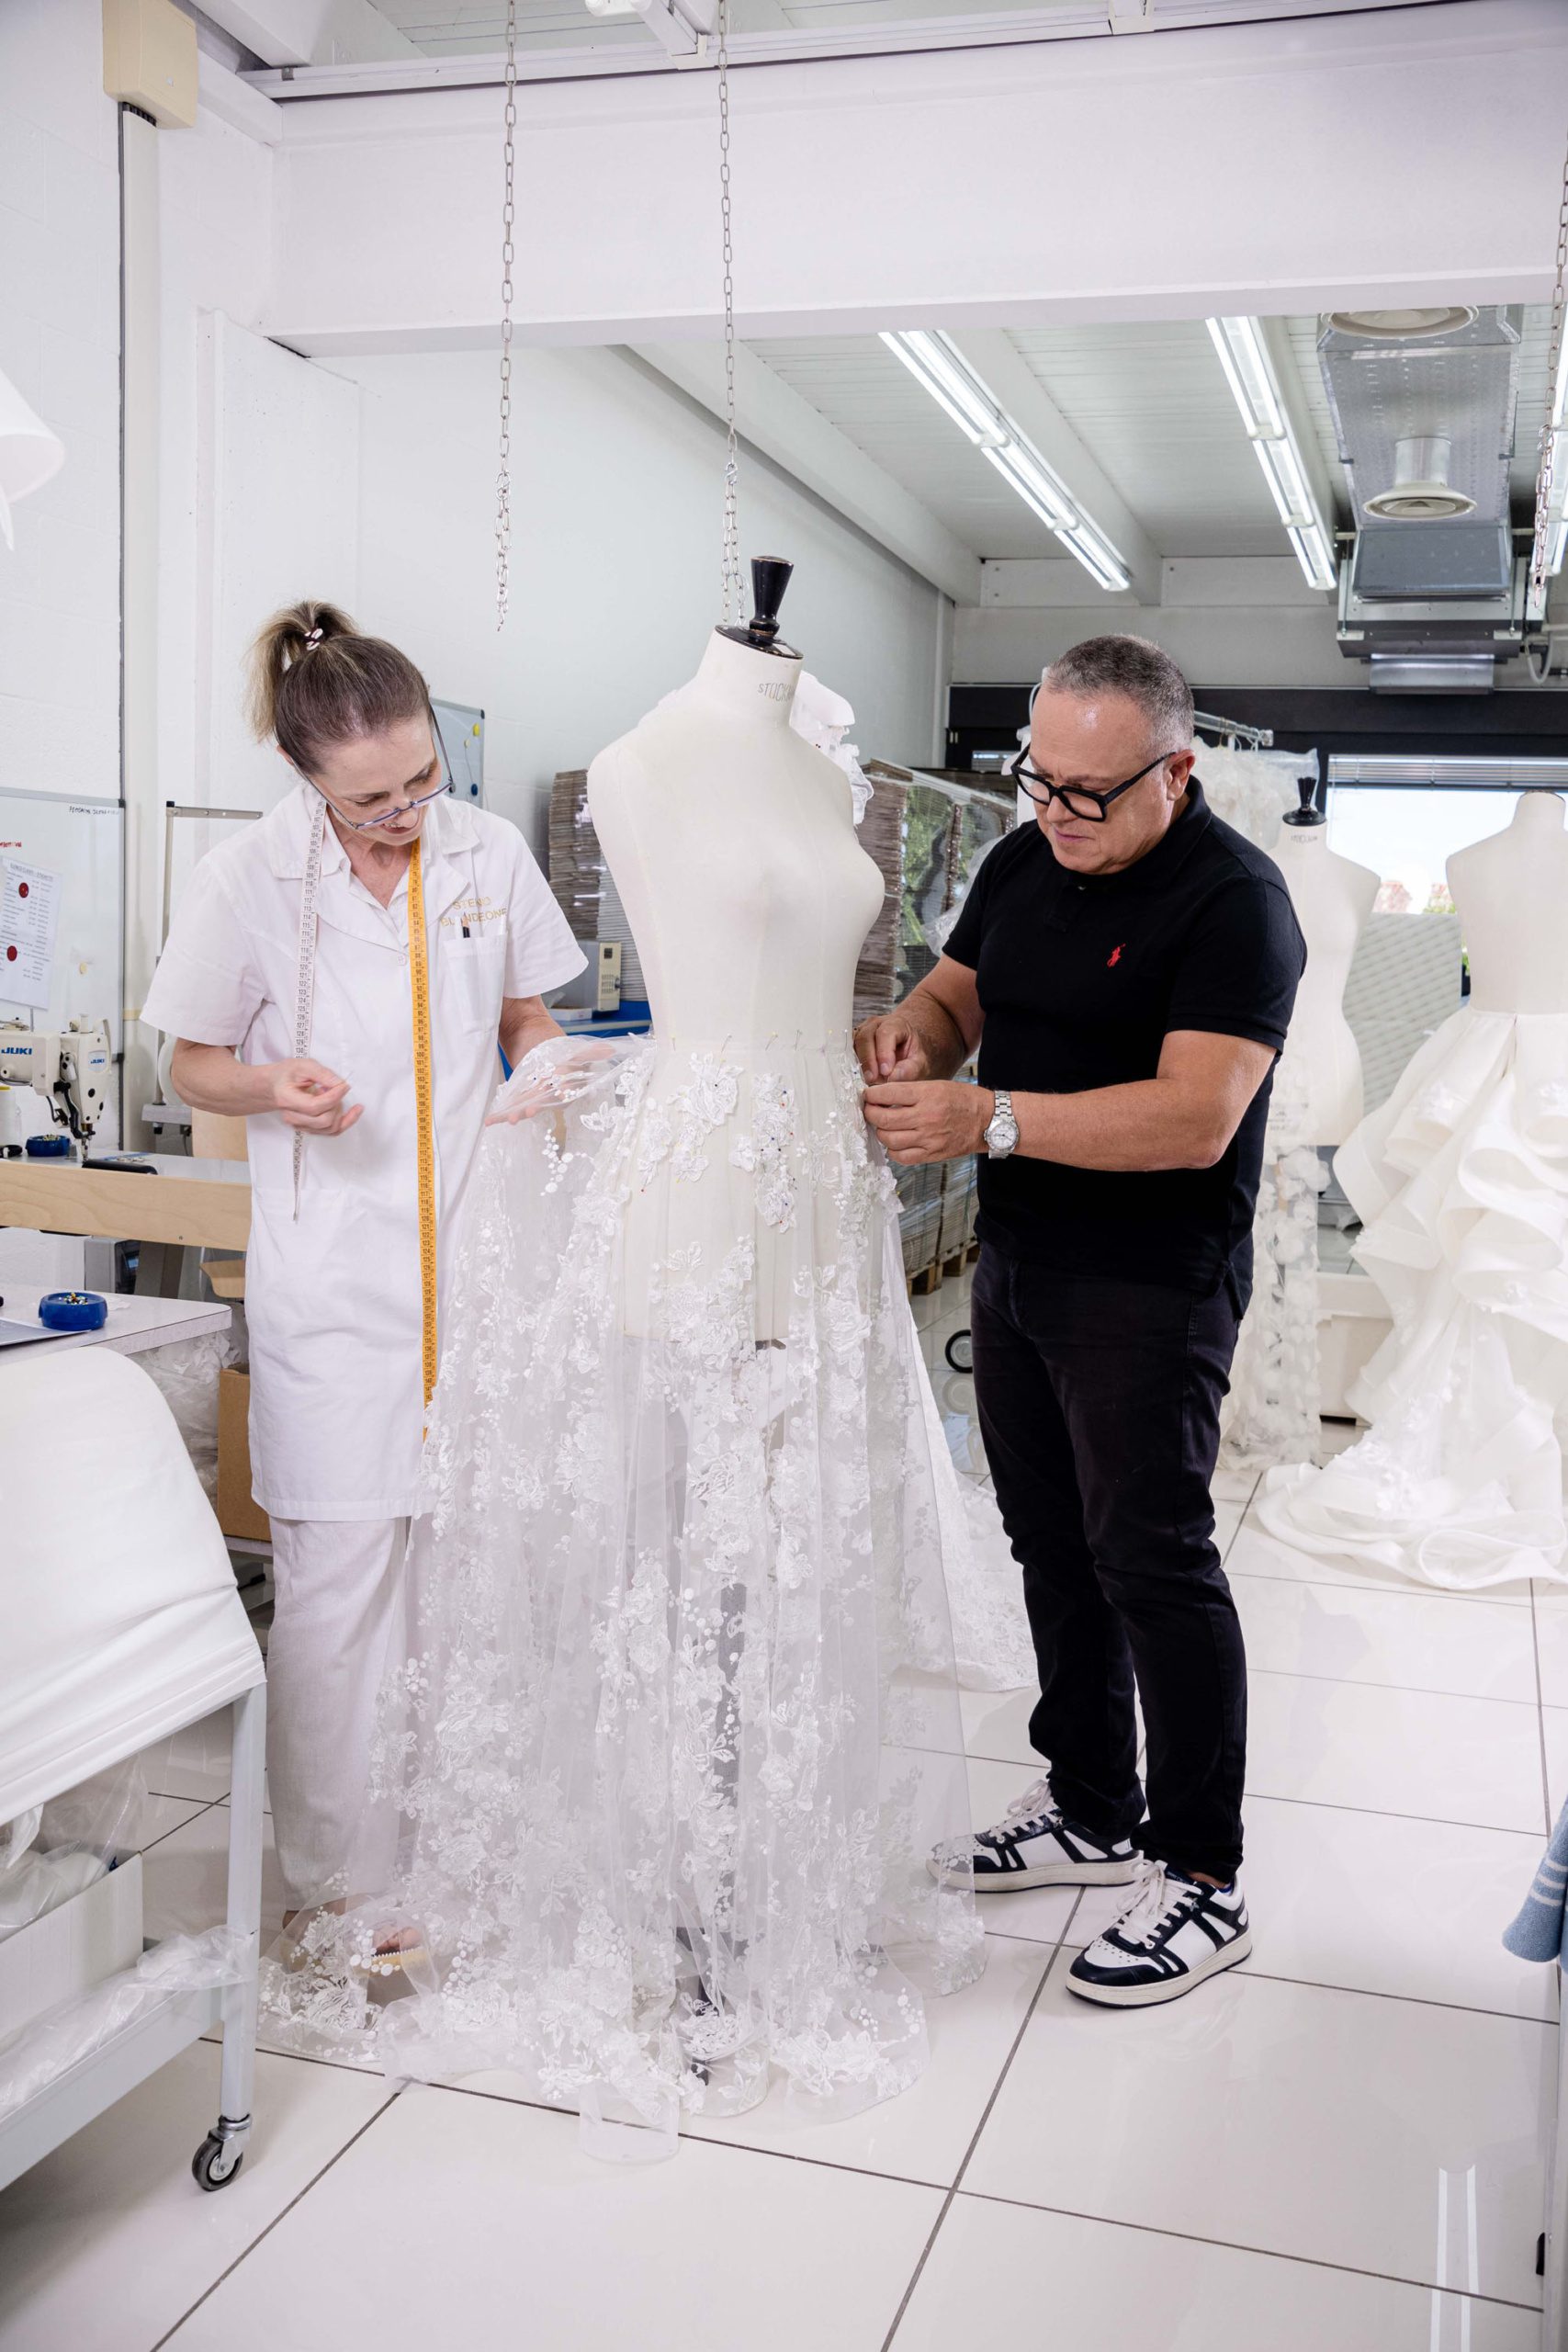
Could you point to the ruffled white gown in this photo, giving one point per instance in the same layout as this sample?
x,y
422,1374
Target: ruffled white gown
x,y
1461,1182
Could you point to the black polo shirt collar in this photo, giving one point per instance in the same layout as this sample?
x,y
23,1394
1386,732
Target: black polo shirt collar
x,y
1156,869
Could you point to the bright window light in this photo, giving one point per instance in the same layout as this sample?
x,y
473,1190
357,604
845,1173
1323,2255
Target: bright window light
x,y
1250,372
936,363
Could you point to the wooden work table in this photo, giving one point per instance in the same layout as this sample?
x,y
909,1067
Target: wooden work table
x,y
197,1204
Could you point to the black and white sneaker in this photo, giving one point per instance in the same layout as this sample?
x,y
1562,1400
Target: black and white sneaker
x,y
1033,1845
1175,1932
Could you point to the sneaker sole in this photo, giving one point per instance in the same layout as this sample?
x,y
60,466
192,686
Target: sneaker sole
x,y
1048,1874
1169,1989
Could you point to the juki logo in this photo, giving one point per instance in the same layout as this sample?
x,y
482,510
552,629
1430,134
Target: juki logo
x,y
1115,956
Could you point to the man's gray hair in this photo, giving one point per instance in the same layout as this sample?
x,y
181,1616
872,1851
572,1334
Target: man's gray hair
x,y
1134,667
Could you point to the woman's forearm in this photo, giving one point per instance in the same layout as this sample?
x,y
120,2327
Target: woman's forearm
x,y
525,1023
211,1078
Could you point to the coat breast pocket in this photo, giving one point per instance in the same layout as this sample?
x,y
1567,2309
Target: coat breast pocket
x,y
476,969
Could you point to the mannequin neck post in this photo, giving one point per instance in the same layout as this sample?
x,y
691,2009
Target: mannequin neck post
x,y
747,682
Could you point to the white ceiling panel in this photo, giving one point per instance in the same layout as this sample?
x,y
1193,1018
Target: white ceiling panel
x,y
1152,404
859,386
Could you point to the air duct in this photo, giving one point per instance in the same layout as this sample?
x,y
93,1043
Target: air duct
x,y
1421,491
1423,405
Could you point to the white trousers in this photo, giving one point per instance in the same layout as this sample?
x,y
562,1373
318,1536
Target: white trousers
x,y
336,1584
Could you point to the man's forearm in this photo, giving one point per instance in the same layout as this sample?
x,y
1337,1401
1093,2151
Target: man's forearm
x,y
210,1077
1151,1123
946,1049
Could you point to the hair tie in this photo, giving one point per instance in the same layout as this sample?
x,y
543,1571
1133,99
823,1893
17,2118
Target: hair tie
x,y
312,637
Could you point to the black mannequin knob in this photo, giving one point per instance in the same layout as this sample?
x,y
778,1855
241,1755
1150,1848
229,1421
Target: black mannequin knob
x,y
770,578
1309,813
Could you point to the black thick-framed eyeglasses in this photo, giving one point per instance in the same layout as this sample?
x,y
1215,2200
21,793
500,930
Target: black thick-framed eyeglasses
x,y
1092,806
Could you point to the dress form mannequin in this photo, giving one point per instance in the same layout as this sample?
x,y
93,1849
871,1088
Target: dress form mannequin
x,y
1332,897
732,843
1511,891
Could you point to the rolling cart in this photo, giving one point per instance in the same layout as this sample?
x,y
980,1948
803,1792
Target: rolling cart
x,y
123,1627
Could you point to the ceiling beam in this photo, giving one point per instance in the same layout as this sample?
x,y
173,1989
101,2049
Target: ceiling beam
x,y
997,359
330,33
785,425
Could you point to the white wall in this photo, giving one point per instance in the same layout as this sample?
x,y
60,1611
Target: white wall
x,y
617,509
60,345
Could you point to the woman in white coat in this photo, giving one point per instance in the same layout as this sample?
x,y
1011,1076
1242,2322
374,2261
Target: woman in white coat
x,y
292,982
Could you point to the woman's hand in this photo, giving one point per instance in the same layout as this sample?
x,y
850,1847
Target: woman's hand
x,y
939,1120
556,1080
307,1094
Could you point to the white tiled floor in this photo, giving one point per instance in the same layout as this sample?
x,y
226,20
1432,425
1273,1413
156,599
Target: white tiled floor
x,y
1320,2153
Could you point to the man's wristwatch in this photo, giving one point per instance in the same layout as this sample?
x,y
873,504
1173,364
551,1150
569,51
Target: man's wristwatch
x,y
1001,1135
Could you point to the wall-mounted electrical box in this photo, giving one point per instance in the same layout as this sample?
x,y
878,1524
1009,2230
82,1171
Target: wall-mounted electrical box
x,y
149,60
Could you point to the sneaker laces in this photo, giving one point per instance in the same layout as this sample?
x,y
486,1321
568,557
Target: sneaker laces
x,y
1033,1804
1149,1906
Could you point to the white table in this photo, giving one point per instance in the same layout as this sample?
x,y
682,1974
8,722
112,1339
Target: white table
x,y
134,1325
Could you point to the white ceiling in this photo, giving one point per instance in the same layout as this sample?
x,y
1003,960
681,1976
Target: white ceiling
x,y
1151,407
477,28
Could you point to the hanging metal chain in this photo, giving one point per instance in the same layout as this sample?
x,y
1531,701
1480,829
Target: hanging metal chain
x,y
1550,435
734,600
508,218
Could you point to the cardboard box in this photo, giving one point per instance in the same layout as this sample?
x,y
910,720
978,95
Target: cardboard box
x,y
237,1515
62,1956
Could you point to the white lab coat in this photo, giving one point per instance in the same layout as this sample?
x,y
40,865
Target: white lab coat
x,y
332,1299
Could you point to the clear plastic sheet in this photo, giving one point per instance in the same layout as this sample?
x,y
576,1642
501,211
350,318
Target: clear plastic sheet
x,y
54,1852
186,1373
55,2043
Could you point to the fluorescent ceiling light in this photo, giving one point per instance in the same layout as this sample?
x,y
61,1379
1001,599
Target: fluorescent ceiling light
x,y
947,375
1250,372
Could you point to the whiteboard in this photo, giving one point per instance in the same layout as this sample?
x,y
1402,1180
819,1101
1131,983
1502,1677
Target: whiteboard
x,y
460,735
83,842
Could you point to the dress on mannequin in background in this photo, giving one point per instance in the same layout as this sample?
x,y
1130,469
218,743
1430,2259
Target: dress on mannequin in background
x,y
675,1725
1271,1413
1461,1179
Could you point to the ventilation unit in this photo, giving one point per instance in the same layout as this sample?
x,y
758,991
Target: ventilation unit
x,y
1423,404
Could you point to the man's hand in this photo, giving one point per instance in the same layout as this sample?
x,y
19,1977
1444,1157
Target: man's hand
x,y
937,1120
890,1046
307,1094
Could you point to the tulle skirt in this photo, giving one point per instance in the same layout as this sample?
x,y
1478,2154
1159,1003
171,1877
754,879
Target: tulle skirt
x,y
672,1725
1461,1181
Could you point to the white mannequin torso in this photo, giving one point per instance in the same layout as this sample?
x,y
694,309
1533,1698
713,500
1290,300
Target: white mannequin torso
x,y
1512,894
733,846
1332,897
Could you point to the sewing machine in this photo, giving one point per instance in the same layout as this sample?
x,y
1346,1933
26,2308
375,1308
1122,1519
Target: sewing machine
x,y
52,1080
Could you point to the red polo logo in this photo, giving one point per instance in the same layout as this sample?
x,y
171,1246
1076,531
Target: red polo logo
x,y
1114,958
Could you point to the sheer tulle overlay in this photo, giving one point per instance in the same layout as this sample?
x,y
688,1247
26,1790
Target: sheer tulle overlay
x,y
673,1726
1461,1182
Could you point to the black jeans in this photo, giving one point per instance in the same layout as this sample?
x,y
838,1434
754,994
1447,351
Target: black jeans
x,y
1100,1404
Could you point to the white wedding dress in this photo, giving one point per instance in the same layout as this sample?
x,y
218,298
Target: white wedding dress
x,y
1461,1182
672,1727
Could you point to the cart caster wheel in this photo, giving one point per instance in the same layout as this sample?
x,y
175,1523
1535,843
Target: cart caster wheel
x,y
216,2162
960,1353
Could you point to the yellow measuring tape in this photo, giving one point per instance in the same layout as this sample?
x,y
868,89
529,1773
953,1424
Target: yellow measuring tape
x,y
418,982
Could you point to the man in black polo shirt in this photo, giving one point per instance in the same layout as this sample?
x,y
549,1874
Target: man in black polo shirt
x,y
1127,967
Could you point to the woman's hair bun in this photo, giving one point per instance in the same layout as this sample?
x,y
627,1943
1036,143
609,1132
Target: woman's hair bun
x,y
316,681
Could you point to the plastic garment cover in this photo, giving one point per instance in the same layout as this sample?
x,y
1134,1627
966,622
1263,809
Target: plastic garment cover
x,y
52,1851
186,1375
672,1727
1461,1180
62,2038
